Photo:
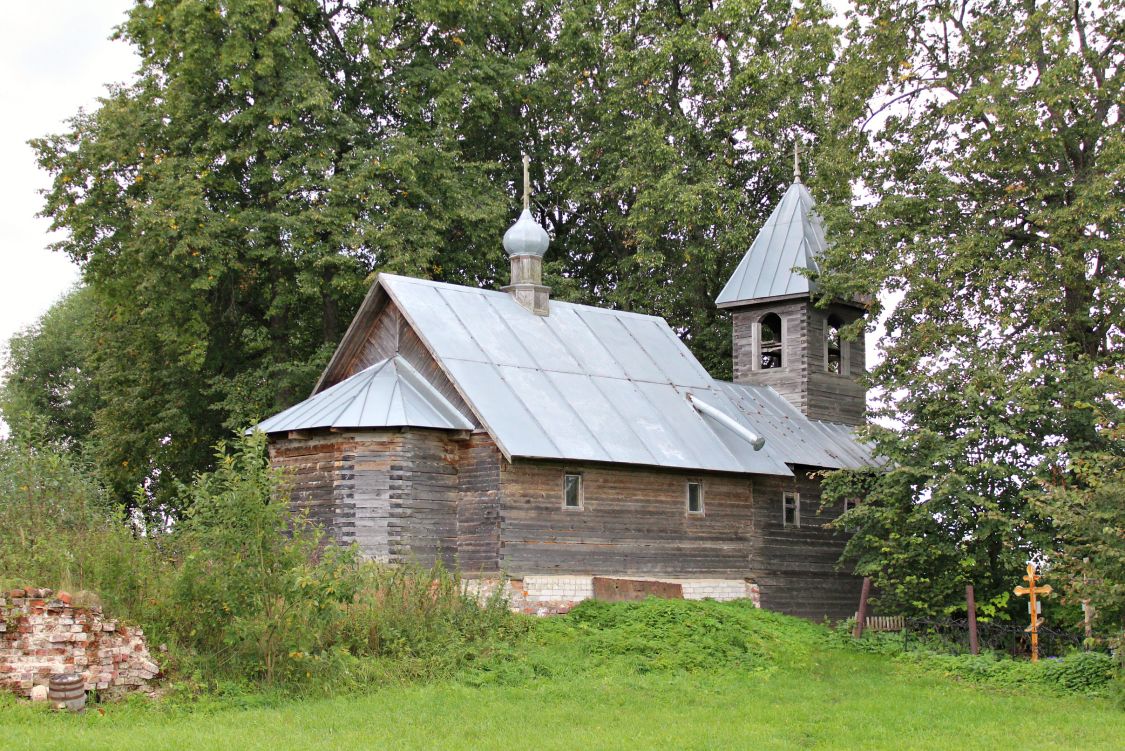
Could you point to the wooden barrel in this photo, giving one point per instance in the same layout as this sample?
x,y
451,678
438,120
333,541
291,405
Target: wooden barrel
x,y
67,690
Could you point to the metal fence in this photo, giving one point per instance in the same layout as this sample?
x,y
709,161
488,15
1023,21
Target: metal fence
x,y
952,634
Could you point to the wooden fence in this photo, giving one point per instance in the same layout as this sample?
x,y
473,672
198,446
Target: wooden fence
x,y
884,622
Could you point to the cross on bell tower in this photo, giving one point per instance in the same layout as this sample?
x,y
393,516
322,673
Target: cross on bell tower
x,y
782,339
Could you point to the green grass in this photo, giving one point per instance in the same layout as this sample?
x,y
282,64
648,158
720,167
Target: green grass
x,y
668,676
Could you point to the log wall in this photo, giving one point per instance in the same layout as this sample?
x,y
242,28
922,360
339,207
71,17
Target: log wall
x,y
320,472
633,520
393,491
795,567
424,495
803,378
478,507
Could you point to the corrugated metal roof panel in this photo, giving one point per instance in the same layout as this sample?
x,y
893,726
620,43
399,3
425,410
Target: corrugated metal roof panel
x,y
792,237
617,437
797,438
564,323
583,383
390,393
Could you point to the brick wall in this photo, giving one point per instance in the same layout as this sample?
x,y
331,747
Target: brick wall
x,y
552,595
42,634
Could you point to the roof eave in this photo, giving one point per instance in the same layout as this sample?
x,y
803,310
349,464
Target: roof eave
x,y
759,300
659,467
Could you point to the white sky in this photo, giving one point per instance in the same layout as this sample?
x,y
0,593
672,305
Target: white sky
x,y
56,58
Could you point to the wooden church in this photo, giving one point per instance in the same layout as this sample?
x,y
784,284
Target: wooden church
x,y
547,443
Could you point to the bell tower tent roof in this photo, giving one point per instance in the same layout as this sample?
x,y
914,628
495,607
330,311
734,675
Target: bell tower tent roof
x,y
792,238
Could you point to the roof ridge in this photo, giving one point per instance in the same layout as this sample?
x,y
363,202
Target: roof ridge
x,y
465,289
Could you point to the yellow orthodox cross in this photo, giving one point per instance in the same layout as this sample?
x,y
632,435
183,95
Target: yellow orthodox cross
x,y
1033,607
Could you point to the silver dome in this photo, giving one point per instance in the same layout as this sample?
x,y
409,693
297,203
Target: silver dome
x,y
526,237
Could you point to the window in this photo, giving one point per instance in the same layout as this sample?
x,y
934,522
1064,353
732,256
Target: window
x,y
769,339
834,353
572,490
695,497
791,509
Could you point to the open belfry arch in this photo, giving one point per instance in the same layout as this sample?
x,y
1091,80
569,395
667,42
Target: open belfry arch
x,y
782,338
512,435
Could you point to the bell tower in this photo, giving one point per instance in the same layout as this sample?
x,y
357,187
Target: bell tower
x,y
781,338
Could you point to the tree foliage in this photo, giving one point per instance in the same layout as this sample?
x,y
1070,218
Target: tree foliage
x,y
230,205
48,393
989,147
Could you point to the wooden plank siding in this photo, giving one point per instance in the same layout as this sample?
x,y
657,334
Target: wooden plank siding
x,y
803,378
478,508
796,568
393,491
633,521
788,380
320,474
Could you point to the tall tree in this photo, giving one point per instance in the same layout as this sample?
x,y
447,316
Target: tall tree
x,y
230,205
670,127
989,147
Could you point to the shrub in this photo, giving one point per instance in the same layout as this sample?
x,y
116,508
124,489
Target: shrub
x,y
241,589
247,589
674,635
1081,672
1077,673
258,593
61,531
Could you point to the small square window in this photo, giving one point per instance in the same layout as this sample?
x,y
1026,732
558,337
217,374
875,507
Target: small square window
x,y
791,509
572,490
695,497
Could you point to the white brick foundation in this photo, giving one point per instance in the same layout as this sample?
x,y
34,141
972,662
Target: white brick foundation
x,y
552,594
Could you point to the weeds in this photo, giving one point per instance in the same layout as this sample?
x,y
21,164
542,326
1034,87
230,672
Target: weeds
x,y
243,592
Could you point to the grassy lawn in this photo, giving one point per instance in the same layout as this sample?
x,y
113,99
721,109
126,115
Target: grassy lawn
x,y
840,701
569,690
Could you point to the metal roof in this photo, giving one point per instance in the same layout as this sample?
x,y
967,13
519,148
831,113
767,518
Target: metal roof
x,y
793,237
590,384
794,436
389,393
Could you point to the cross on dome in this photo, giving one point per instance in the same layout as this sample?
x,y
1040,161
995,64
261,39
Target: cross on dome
x,y
526,237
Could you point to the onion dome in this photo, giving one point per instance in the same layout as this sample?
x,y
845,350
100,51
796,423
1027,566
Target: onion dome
x,y
526,237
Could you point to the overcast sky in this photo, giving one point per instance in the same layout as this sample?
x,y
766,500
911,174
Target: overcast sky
x,y
56,59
